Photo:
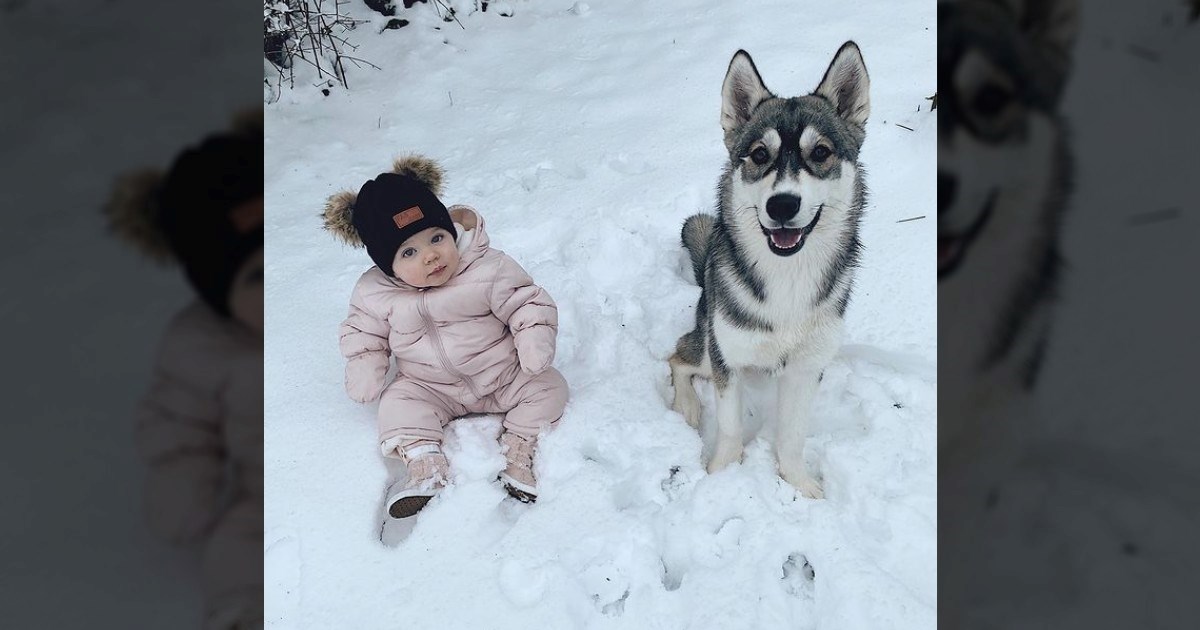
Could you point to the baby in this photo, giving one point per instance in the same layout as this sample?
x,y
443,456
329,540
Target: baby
x,y
470,331
199,426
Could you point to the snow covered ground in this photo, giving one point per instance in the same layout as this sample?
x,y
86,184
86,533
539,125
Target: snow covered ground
x,y
585,135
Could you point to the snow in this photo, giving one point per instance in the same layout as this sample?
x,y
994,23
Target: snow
x,y
585,133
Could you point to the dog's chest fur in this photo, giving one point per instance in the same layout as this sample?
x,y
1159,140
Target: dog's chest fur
x,y
798,328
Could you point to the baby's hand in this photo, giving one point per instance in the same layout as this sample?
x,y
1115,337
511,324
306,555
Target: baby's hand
x,y
534,358
365,376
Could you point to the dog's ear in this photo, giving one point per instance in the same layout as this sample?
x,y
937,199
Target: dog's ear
x,y
742,91
847,86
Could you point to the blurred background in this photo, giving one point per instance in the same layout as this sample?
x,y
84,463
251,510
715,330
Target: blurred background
x,y
1067,306
1081,515
96,89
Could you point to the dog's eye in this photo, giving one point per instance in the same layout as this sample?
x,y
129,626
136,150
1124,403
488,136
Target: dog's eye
x,y
991,99
760,156
820,153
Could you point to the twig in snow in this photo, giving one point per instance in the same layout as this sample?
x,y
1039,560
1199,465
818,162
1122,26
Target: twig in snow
x,y
449,11
911,219
358,62
903,127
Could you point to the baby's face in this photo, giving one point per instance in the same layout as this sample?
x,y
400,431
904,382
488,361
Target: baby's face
x,y
427,259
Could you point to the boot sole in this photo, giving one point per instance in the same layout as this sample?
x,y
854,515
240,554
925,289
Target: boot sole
x,y
520,495
407,506
517,490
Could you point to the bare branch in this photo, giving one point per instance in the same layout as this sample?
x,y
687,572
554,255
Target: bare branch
x,y
312,32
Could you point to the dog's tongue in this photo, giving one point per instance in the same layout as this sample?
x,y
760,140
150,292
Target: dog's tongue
x,y
785,238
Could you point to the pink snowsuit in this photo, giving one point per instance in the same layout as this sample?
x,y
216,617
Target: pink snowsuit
x,y
200,428
480,343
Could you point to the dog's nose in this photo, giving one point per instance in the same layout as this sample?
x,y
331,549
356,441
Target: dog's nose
x,y
783,207
947,187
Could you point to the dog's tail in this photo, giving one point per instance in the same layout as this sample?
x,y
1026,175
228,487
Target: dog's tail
x,y
696,231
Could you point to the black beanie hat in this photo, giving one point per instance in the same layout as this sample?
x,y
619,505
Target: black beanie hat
x,y
204,211
390,209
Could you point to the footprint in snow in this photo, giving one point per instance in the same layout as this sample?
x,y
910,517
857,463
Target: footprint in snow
x,y
798,575
281,572
723,545
607,586
626,166
673,486
671,579
543,174
522,584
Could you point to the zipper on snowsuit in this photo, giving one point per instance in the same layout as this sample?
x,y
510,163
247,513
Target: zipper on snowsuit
x,y
441,350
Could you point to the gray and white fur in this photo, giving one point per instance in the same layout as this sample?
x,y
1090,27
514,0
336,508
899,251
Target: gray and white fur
x,y
1004,173
776,264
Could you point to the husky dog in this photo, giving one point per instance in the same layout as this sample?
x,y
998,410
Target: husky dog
x,y
776,264
1003,178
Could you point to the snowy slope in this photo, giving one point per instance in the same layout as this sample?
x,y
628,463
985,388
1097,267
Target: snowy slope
x,y
585,135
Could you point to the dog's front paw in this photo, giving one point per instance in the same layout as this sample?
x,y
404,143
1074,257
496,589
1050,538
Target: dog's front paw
x,y
807,486
724,455
811,489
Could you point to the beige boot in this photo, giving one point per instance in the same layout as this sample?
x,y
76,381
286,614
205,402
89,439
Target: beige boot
x,y
428,471
518,476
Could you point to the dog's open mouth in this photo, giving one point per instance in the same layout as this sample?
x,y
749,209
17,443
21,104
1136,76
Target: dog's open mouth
x,y
952,248
788,241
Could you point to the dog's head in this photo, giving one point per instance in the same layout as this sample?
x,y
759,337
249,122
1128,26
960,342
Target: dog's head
x,y
1002,65
793,162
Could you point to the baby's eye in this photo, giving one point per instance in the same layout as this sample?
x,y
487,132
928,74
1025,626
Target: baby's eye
x,y
437,238
408,253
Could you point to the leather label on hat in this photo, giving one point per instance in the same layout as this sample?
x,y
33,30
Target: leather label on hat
x,y
408,217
